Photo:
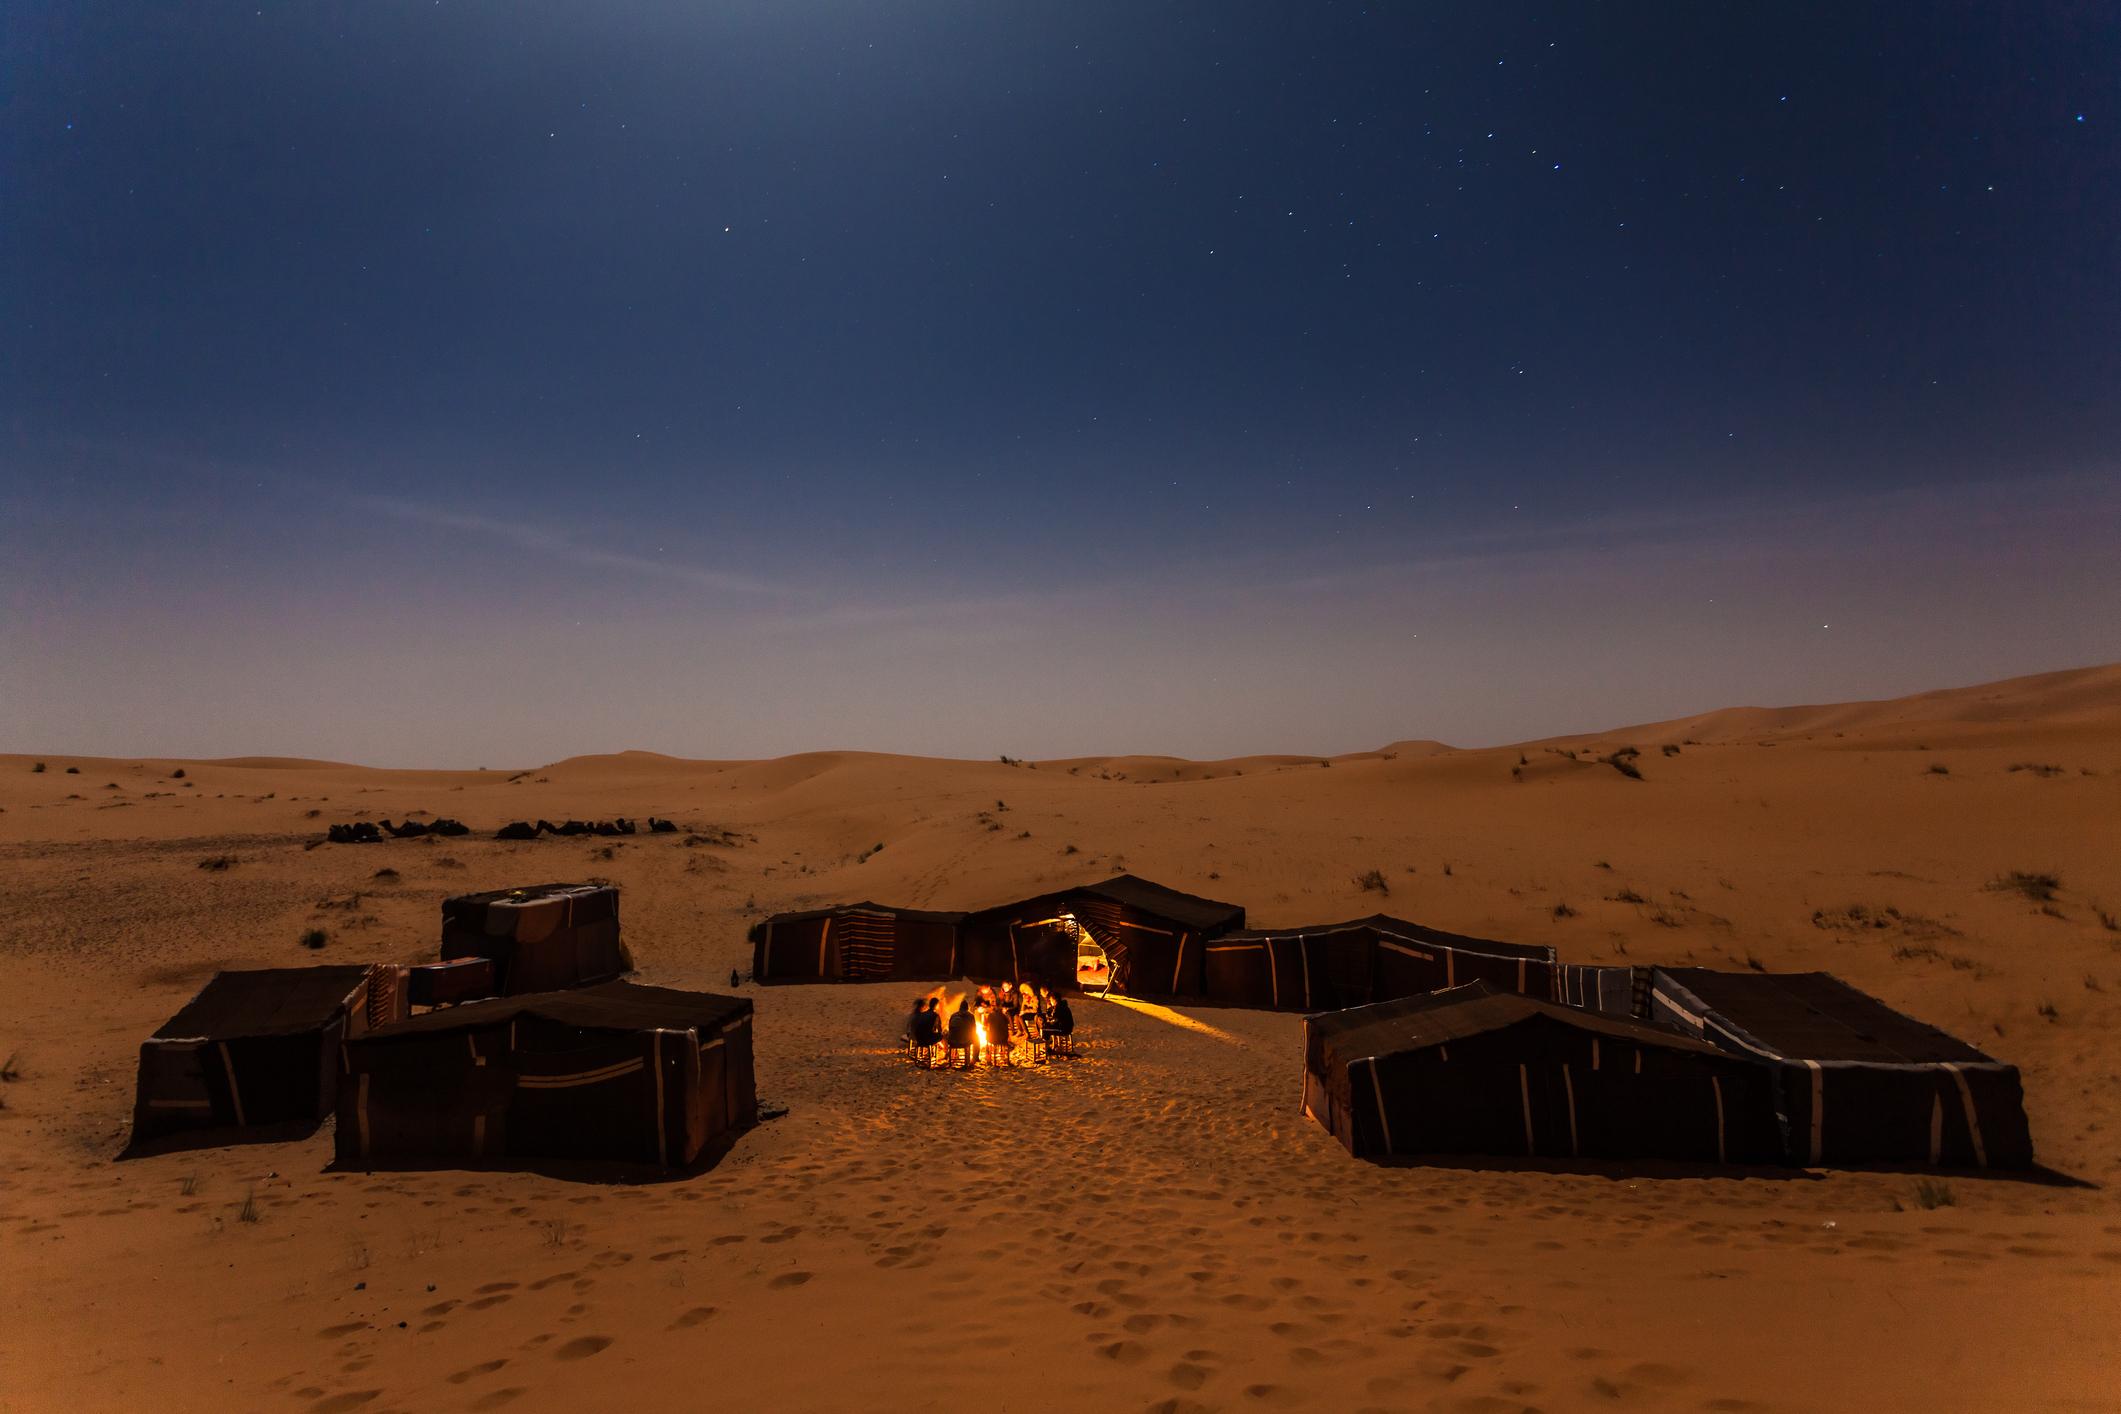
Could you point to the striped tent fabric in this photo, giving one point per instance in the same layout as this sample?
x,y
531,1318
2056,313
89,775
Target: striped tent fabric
x,y
539,937
1325,966
258,1047
619,1072
1476,1071
1860,1083
855,942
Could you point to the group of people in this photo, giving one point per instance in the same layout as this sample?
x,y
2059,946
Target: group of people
x,y
991,1023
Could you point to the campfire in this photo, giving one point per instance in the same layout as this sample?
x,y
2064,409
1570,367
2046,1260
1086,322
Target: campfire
x,y
998,1025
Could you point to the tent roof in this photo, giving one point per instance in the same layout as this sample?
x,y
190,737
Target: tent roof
x,y
918,915
1436,1018
1399,927
1817,1016
1202,915
269,1001
527,891
610,1006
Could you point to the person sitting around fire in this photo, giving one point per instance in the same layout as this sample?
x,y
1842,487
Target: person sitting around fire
x,y
1011,1005
1061,1024
964,1029
927,1026
997,1022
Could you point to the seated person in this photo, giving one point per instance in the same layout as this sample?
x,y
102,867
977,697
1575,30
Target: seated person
x,y
1062,1022
964,1027
928,1023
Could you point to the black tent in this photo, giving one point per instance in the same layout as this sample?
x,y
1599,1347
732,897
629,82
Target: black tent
x,y
541,937
615,1071
1474,1070
1151,937
855,942
1364,960
1860,1082
257,1047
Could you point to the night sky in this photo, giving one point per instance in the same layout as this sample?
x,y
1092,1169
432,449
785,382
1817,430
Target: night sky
x,y
481,383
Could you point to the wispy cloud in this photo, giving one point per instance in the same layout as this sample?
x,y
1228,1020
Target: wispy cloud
x,y
561,546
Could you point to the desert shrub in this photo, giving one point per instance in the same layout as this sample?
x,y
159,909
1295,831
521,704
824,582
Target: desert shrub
x,y
2037,768
248,1213
315,938
177,775
1938,768
1670,750
1070,849
1626,896
385,875
1623,761
2038,887
73,770
218,863
1372,881
2050,1011
1932,1193
1562,910
37,769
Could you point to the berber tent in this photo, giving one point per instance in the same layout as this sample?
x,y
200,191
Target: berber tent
x,y
1473,1070
257,1047
539,938
1860,1082
615,1071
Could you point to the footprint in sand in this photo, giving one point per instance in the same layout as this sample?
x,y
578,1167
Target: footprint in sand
x,y
582,1347
498,1286
337,1403
788,1279
1126,1352
698,1315
499,1397
464,1376
486,1301
542,1282
668,1256
1187,1375
334,1332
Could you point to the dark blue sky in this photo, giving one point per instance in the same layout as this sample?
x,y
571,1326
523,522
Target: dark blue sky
x,y
826,373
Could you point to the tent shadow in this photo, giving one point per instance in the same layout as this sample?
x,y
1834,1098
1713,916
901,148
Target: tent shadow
x,y
618,1173
1615,1170
187,1141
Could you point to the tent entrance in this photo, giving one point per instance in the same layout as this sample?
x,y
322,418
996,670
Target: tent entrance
x,y
1093,966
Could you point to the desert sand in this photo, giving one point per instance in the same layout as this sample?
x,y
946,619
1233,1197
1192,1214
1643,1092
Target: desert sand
x,y
1152,1226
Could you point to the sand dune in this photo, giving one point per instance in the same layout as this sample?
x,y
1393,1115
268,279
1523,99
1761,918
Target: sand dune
x,y
1150,1227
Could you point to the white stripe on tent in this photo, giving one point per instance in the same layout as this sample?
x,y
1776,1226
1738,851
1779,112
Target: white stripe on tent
x,y
1716,1086
1410,952
662,1141
1377,1093
236,1095
1234,947
1303,954
823,934
1178,967
1524,1094
1274,980
584,1077
1569,1084
1016,968
1973,1120
744,1020
361,1111
1818,1107
1145,928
